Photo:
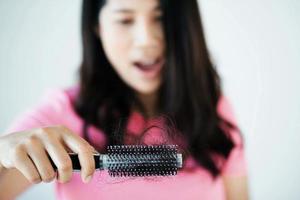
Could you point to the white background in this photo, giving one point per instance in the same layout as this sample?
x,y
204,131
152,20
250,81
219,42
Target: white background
x,y
254,43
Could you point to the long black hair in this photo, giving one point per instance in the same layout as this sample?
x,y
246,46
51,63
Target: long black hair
x,y
188,95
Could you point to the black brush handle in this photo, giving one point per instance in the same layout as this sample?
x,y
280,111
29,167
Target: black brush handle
x,y
76,164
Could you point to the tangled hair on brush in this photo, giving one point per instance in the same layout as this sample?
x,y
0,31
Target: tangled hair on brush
x,y
189,93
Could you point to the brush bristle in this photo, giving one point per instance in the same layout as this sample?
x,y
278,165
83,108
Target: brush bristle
x,y
142,160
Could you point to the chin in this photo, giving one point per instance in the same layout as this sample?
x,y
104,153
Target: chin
x,y
147,90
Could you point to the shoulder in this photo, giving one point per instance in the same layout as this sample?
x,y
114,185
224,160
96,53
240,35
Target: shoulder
x,y
235,164
225,109
58,104
58,98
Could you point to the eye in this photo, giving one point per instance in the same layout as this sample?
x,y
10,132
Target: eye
x,y
125,21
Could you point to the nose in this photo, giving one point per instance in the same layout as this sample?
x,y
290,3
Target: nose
x,y
147,35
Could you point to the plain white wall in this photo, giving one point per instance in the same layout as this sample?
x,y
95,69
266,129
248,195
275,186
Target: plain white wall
x,y
39,48
254,43
256,46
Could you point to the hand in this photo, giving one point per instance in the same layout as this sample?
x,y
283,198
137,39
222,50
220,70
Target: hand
x,y
29,152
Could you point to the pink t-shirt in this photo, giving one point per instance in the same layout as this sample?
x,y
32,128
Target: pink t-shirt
x,y
191,183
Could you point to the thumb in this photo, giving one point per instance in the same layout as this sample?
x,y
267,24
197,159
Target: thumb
x,y
94,150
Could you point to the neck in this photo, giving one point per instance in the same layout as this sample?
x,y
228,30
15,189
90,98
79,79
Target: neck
x,y
149,102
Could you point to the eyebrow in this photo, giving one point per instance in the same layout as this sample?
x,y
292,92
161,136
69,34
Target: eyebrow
x,y
126,10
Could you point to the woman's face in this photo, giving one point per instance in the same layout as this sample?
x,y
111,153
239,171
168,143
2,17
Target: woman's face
x,y
132,36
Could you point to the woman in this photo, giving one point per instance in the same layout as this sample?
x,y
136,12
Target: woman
x,y
141,60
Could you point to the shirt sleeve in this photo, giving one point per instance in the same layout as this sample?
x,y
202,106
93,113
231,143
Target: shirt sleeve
x,y
47,112
235,165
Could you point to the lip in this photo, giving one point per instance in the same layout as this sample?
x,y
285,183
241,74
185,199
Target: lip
x,y
150,71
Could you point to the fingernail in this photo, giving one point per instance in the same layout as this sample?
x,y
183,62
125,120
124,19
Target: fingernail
x,y
88,179
94,150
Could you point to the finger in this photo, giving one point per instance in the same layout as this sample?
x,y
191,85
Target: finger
x,y
25,165
85,154
38,155
60,158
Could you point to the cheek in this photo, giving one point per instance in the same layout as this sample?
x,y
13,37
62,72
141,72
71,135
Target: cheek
x,y
117,47
116,44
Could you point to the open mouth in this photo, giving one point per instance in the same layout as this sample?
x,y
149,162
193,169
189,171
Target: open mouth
x,y
149,68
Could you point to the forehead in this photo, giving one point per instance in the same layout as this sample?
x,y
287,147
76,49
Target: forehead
x,y
132,5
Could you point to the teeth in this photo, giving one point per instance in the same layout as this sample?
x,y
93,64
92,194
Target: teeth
x,y
148,62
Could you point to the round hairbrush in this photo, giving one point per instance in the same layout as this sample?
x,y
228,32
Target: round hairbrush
x,y
136,160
